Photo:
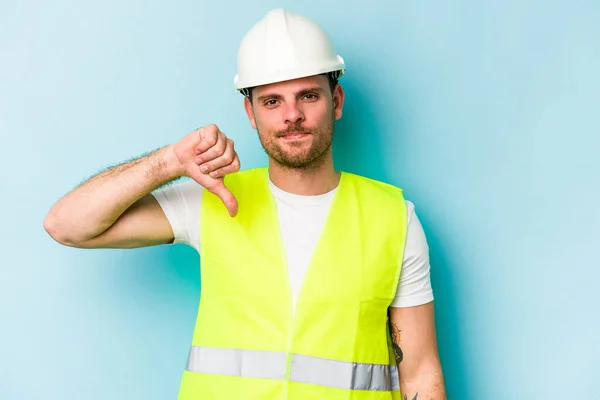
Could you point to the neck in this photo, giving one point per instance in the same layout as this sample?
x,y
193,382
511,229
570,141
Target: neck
x,y
307,181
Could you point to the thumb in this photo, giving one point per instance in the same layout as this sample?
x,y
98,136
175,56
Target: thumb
x,y
226,197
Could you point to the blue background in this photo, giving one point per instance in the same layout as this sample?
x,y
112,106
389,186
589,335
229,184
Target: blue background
x,y
485,112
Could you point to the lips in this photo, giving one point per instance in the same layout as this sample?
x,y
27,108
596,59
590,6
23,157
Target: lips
x,y
295,136
294,133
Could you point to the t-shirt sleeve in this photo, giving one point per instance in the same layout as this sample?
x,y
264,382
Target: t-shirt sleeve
x,y
414,287
180,201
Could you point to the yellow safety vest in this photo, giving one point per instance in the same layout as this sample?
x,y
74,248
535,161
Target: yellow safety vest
x,y
249,343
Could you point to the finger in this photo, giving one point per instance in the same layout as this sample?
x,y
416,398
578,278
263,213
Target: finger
x,y
234,166
209,136
195,137
219,162
227,198
217,150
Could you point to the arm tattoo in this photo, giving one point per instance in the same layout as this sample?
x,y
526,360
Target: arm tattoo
x,y
395,333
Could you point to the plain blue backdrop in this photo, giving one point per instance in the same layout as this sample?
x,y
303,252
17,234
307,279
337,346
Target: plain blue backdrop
x,y
485,112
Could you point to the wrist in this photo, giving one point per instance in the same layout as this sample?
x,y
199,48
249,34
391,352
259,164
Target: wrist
x,y
174,168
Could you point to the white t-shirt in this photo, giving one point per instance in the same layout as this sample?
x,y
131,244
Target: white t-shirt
x,y
302,218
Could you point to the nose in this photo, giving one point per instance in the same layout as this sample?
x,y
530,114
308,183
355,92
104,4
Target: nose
x,y
293,114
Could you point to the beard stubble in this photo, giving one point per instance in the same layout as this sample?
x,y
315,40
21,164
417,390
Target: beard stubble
x,y
297,155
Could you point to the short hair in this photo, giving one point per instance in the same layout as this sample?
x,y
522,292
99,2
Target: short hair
x,y
332,77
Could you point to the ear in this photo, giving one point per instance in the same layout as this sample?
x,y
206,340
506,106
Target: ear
x,y
249,111
338,101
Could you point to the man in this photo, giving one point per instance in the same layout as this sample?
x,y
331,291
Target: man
x,y
303,267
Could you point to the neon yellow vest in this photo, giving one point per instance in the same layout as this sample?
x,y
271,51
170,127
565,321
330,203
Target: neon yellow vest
x,y
250,344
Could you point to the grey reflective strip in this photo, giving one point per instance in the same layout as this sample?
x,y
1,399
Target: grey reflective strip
x,y
305,369
395,377
235,362
341,374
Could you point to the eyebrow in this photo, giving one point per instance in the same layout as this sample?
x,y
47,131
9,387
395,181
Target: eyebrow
x,y
275,96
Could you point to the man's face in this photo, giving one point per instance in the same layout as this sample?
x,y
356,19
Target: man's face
x,y
294,119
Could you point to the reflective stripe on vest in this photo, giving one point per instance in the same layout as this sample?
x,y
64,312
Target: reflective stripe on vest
x,y
305,369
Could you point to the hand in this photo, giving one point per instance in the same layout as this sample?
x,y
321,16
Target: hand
x,y
206,155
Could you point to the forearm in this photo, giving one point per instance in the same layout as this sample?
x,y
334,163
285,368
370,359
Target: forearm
x,y
95,205
413,336
427,383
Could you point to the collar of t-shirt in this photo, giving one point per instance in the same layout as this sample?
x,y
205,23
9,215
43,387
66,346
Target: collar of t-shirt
x,y
301,200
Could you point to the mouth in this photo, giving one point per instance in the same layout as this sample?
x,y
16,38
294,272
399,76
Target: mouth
x,y
294,135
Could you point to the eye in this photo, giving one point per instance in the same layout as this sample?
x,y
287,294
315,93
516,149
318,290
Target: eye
x,y
310,96
270,103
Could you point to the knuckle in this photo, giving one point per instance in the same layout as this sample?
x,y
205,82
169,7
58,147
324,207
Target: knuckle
x,y
221,146
210,140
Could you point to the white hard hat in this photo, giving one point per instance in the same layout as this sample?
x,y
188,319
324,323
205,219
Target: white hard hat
x,y
284,46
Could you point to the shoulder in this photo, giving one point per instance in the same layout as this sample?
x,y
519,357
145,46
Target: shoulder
x,y
246,177
372,183
247,174
364,180
182,188
396,196
410,209
179,196
380,193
